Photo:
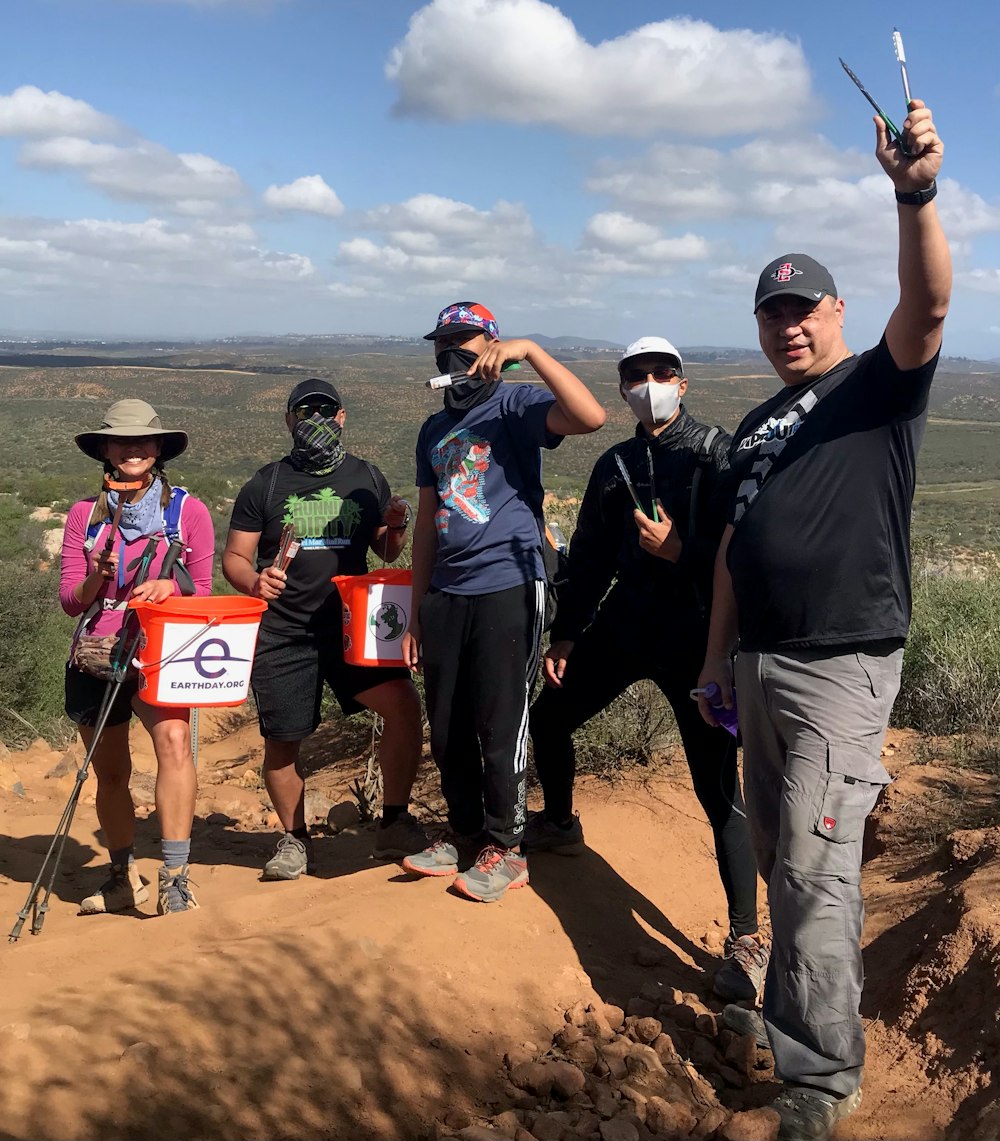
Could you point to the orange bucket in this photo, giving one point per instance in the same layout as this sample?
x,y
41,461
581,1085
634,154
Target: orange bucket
x,y
198,650
376,615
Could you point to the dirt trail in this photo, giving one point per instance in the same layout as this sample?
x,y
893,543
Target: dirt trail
x,y
359,1003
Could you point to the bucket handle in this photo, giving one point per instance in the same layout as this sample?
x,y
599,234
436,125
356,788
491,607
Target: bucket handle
x,y
180,649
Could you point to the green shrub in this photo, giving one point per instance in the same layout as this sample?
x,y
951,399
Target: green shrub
x,y
951,669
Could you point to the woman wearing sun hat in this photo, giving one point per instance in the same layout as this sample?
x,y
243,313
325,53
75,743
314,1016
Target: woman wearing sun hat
x,y
103,537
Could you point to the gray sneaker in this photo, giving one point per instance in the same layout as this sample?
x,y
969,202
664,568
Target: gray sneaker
x,y
809,1114
541,835
291,858
741,976
405,836
123,890
443,857
743,1021
174,893
495,870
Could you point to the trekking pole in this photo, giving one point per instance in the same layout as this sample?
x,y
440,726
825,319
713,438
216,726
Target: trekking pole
x,y
32,907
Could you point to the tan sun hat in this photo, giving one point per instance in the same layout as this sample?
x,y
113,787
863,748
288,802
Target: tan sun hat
x,y
126,420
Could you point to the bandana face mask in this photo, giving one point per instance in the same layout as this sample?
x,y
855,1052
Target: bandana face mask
x,y
463,394
317,448
653,403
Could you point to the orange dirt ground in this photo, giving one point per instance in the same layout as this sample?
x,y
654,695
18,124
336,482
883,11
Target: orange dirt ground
x,y
359,1003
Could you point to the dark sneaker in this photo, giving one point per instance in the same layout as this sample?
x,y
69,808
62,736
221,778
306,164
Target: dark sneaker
x,y
495,870
124,890
809,1114
741,976
541,835
291,858
743,1021
405,836
174,893
444,857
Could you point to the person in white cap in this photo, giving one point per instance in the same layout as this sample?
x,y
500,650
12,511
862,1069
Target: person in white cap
x,y
657,562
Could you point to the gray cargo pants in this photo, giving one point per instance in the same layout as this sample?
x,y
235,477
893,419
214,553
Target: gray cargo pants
x,y
813,723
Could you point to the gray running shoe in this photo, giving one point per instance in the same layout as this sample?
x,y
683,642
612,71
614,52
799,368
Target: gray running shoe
x,y
405,836
741,976
743,1021
174,894
444,856
291,858
541,835
809,1114
124,890
495,870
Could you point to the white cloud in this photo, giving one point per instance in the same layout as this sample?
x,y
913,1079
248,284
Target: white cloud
x,y
982,281
523,61
308,195
140,172
29,112
617,243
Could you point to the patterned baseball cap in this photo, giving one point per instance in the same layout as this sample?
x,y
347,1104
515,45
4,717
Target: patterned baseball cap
x,y
465,317
798,275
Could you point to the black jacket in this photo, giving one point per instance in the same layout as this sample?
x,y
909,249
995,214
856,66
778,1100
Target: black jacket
x,y
605,547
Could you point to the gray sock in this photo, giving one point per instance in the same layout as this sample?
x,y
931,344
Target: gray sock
x,y
121,857
175,852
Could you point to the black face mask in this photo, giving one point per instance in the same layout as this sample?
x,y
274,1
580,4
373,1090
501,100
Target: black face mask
x,y
465,394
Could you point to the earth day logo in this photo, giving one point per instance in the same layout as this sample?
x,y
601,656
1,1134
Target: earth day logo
x,y
388,622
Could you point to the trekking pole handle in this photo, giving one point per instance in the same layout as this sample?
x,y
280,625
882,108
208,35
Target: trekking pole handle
x,y
174,552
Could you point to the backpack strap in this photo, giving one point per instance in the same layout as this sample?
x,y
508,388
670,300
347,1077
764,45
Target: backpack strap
x,y
172,514
703,458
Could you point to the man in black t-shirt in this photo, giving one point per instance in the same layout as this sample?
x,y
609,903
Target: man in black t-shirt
x,y
813,576
341,508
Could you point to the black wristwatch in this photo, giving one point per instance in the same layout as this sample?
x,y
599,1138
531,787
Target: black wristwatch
x,y
917,197
401,527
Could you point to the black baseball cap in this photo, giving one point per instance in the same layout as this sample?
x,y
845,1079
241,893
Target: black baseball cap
x,y
314,387
796,274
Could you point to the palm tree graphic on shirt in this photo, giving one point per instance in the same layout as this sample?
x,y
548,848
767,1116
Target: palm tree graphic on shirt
x,y
322,519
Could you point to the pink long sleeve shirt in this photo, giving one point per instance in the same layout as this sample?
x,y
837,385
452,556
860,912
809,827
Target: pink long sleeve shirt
x,y
197,532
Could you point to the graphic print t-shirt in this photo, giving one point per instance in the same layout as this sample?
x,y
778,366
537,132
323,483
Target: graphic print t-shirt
x,y
486,467
822,555
335,517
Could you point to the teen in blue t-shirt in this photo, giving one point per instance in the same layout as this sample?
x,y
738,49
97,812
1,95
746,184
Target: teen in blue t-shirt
x,y
479,586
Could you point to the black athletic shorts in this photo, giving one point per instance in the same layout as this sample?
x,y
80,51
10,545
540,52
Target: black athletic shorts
x,y
85,693
289,669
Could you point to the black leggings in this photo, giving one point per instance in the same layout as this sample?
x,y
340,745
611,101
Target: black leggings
x,y
603,664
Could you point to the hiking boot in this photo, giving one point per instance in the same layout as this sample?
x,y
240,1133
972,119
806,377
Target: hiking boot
x,y
743,1021
174,893
291,858
444,857
495,870
810,1114
405,836
741,976
541,835
124,890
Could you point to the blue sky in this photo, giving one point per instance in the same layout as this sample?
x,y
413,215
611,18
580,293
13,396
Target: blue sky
x,y
218,167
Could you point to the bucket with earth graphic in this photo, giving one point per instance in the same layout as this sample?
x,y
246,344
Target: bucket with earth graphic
x,y
376,615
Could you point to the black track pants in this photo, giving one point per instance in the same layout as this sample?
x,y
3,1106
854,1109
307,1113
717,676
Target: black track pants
x,y
480,657
602,666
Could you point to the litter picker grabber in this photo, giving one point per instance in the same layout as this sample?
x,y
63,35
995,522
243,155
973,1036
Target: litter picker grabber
x,y
128,646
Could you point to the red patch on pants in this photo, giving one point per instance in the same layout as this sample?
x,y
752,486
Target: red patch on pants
x,y
829,823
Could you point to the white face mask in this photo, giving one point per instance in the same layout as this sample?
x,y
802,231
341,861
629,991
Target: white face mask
x,y
654,403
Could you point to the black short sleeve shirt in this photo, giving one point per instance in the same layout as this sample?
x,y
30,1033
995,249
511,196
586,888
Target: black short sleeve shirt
x,y
822,554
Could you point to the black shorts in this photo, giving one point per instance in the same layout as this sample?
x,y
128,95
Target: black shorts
x,y
289,669
85,693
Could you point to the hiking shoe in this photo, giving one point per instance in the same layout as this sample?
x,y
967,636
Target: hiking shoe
x,y
495,870
124,890
541,835
443,857
810,1114
174,893
743,1021
405,836
741,976
291,858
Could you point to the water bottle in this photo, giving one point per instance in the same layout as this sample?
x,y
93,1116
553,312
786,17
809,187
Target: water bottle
x,y
727,718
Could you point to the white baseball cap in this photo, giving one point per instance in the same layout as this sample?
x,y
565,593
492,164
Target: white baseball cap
x,y
652,345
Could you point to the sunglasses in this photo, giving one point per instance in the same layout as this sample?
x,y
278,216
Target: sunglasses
x,y
661,372
304,411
